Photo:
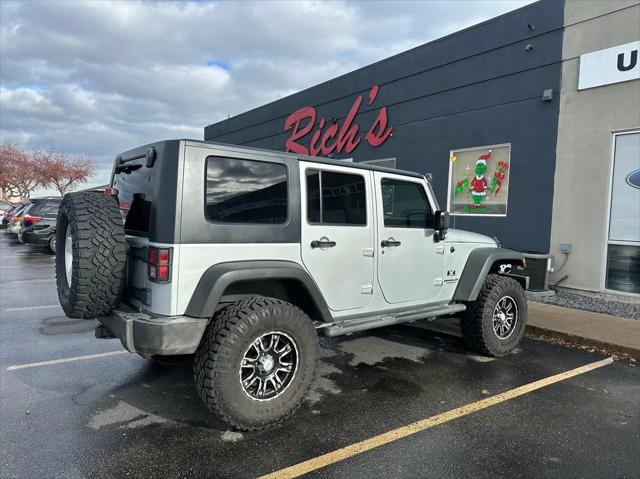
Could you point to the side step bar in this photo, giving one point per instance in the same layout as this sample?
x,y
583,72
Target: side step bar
x,y
361,324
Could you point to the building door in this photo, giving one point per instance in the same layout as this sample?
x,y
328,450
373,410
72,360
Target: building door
x,y
623,245
410,263
338,233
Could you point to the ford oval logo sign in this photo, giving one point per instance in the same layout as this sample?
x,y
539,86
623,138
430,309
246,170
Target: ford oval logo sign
x,y
633,179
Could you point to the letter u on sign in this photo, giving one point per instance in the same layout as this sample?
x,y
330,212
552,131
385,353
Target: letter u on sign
x,y
612,65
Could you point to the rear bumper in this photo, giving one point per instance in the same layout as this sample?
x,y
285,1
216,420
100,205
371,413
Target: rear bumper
x,y
34,237
147,334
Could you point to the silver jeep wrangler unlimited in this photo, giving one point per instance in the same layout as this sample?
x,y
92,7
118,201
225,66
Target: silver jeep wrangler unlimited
x,y
241,256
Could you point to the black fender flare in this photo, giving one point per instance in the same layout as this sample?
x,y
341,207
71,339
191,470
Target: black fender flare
x,y
478,265
217,278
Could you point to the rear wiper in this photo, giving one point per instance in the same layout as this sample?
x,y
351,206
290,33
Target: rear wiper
x,y
151,155
127,168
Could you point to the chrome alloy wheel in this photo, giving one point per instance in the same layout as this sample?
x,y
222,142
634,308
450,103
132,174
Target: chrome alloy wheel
x,y
269,366
505,317
68,253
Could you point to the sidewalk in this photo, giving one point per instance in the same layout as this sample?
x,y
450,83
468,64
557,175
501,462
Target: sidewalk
x,y
614,334
586,328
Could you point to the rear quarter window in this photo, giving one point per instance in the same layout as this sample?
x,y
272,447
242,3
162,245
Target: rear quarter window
x,y
246,191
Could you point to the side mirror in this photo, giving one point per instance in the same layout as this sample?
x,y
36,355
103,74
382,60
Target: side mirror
x,y
441,225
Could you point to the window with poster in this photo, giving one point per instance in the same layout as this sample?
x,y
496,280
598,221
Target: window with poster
x,y
623,245
479,180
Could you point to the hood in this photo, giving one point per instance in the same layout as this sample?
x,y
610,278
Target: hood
x,y
461,236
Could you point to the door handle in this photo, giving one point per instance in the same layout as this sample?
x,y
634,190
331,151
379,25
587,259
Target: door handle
x,y
323,243
390,242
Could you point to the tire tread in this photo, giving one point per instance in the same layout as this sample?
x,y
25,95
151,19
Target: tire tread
x,y
212,359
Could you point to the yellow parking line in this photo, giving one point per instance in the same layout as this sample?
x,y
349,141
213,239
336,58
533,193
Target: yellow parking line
x,y
391,436
64,360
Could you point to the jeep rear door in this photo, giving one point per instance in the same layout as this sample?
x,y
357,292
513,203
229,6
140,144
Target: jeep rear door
x,y
410,263
338,233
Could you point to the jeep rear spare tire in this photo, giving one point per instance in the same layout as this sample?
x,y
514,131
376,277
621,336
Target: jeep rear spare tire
x,y
256,362
495,322
90,254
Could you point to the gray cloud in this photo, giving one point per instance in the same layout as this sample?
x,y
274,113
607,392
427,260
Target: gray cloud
x,y
101,77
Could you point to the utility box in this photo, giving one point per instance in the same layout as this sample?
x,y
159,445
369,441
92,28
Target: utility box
x,y
538,269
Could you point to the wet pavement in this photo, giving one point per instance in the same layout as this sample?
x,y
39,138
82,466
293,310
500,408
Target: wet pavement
x,y
121,416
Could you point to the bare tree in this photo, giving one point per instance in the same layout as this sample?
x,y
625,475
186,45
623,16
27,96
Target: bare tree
x,y
62,171
19,174
8,153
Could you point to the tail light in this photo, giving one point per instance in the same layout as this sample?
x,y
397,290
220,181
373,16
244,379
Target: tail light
x,y
16,219
7,214
28,219
159,264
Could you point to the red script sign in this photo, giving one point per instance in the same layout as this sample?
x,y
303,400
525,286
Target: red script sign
x,y
336,137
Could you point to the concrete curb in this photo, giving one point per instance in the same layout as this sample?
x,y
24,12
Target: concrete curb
x,y
538,332
450,328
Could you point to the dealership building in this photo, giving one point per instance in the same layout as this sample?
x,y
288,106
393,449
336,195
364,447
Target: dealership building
x,y
528,123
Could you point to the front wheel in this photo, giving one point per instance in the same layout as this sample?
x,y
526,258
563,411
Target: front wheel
x,y
256,362
495,322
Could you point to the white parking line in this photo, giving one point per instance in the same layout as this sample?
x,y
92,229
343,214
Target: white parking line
x,y
32,307
27,266
36,280
64,360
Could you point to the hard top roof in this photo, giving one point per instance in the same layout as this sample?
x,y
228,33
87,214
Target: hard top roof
x,y
313,159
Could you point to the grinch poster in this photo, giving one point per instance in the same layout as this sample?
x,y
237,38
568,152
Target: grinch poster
x,y
479,180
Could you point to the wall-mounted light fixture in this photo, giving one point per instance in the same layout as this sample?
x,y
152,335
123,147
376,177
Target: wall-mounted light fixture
x,y
547,95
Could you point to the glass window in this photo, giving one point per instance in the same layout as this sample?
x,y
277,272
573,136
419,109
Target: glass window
x,y
623,268
246,191
343,200
46,208
405,204
623,252
479,180
313,196
135,185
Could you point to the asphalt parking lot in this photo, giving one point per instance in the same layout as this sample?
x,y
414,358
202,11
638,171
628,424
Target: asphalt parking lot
x,y
102,413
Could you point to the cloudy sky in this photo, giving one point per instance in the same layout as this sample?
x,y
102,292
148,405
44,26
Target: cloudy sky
x,y
101,77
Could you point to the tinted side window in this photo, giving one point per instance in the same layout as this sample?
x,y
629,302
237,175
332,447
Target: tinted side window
x,y
342,202
246,191
405,204
46,208
313,196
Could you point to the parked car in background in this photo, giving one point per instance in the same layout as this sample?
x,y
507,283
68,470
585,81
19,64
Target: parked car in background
x,y
38,224
6,216
13,226
4,207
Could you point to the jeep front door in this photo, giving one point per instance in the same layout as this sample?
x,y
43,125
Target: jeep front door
x,y
338,233
410,262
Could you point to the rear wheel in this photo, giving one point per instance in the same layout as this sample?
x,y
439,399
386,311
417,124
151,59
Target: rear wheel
x,y
90,254
256,362
52,244
495,322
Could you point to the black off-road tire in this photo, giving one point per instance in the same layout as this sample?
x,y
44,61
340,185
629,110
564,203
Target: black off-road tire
x,y
476,322
216,366
99,254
